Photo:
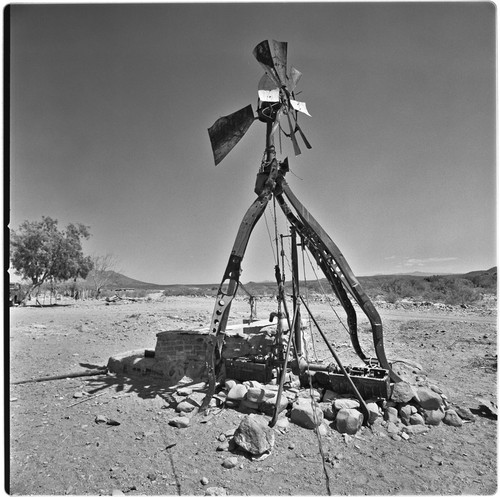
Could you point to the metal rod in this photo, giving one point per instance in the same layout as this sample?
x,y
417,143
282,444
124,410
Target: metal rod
x,y
295,288
282,377
345,373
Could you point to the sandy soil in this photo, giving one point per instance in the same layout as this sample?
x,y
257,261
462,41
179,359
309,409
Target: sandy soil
x,y
57,448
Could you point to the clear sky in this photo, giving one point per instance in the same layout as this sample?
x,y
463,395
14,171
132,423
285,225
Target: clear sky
x,y
110,106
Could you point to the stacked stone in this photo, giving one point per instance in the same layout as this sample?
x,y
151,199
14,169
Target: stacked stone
x,y
408,411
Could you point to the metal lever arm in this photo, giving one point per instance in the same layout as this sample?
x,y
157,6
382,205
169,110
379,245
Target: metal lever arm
x,y
340,267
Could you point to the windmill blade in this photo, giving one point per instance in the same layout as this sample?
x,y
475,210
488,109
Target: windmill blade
x,y
279,51
228,130
296,147
304,139
300,106
294,77
262,52
267,90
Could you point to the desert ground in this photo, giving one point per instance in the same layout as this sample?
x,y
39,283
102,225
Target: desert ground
x,y
57,447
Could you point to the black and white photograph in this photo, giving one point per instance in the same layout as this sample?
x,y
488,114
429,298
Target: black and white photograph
x,y
250,248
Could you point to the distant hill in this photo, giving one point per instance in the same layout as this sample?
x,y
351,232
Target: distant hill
x,y
436,287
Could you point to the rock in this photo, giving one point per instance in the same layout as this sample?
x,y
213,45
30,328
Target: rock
x,y
392,428
197,398
415,429
328,411
77,395
254,435
215,491
255,394
179,422
329,396
185,406
373,412
349,421
452,418
230,384
237,392
436,389
487,405
101,419
184,391
268,406
465,413
428,399
282,424
308,393
346,404
402,392
404,435
204,481
391,415
405,413
223,446
230,462
303,414
416,419
323,430
433,417
116,491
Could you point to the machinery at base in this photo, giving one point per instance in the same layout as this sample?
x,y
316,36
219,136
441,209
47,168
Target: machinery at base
x,y
276,101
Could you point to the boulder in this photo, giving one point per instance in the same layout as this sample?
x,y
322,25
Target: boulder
x,y
391,414
373,411
254,435
402,392
452,418
180,422
237,392
185,406
415,429
405,413
349,421
268,406
465,413
230,462
255,394
328,411
417,419
428,399
346,404
329,396
433,416
306,413
213,491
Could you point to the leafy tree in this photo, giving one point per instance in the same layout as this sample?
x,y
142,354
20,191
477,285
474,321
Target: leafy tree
x,y
40,252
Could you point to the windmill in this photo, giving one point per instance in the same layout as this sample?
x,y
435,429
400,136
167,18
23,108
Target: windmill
x,y
277,103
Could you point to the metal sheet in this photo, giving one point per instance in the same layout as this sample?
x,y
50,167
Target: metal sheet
x,y
294,77
228,130
279,55
300,106
269,95
262,52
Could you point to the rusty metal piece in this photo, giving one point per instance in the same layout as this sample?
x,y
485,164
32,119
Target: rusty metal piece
x,y
228,130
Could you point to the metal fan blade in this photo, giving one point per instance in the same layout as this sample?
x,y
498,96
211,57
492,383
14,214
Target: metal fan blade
x,y
294,77
296,147
300,106
304,139
262,52
267,90
279,51
228,130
